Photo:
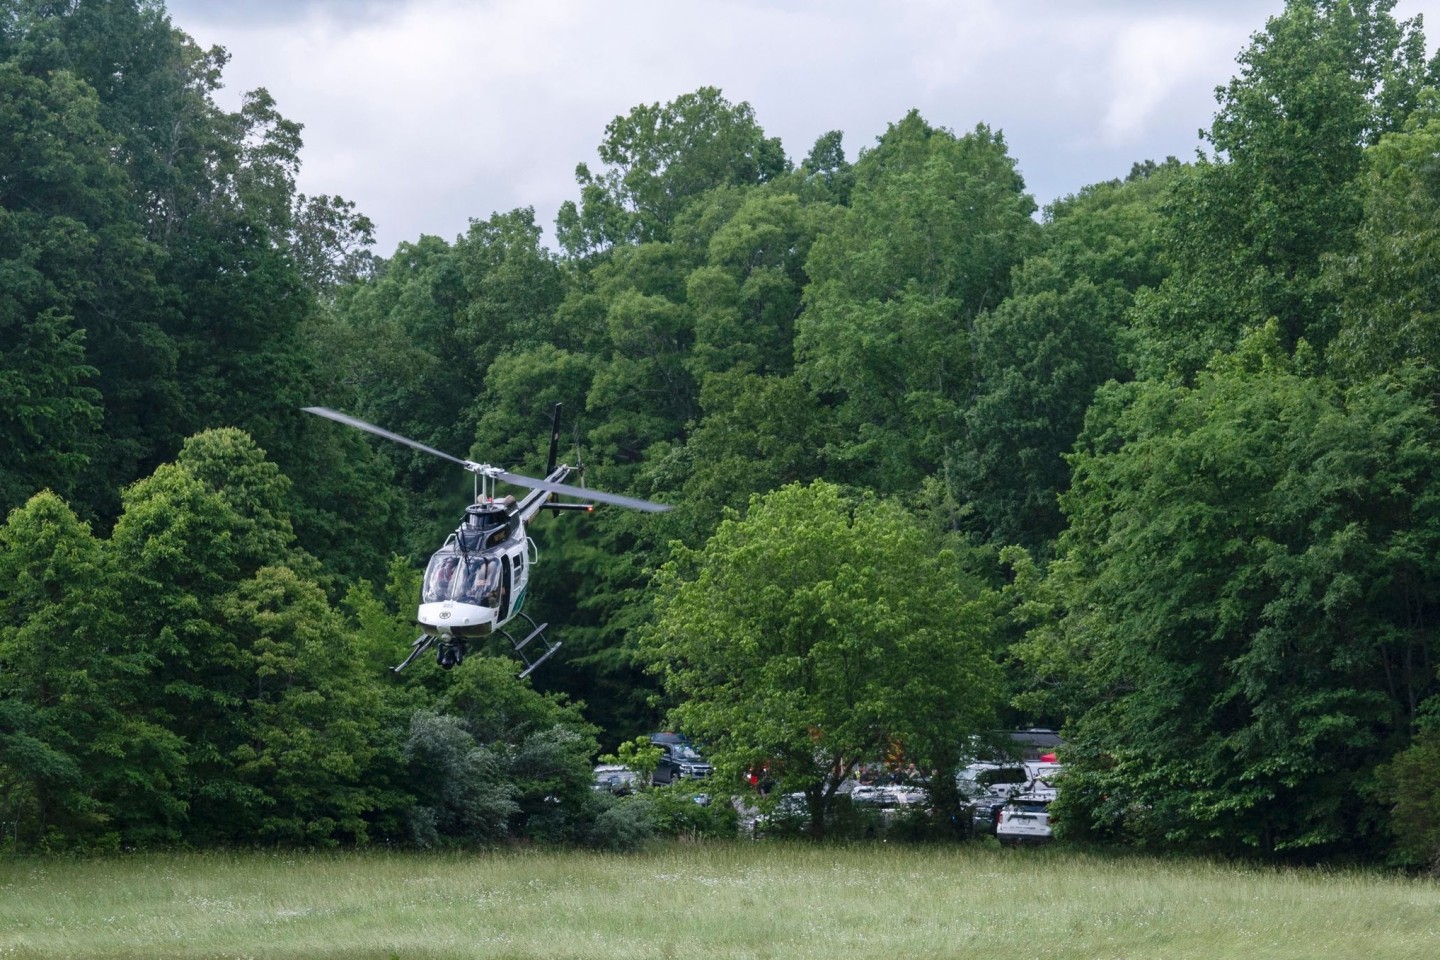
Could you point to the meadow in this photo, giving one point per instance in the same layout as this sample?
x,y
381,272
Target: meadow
x,y
743,900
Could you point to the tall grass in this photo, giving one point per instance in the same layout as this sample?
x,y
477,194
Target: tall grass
x,y
729,900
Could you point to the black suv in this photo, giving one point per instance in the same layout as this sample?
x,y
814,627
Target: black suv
x,y
680,759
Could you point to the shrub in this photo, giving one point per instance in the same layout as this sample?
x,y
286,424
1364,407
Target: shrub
x,y
626,824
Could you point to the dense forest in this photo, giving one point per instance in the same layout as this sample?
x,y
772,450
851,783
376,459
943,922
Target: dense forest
x,y
1158,464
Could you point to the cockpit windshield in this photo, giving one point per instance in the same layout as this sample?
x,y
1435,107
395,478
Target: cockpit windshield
x,y
438,577
453,576
479,581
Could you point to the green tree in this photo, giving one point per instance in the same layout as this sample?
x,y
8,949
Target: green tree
x,y
935,225
639,755
1388,301
513,287
818,633
826,171
463,796
313,725
1409,788
1039,359
57,206
1040,354
1250,227
396,354
247,662
330,243
660,158
492,758
748,294
80,763
1249,590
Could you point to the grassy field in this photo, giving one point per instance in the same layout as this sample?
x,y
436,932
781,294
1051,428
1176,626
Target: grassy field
x,y
741,900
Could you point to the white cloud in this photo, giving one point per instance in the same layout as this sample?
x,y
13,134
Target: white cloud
x,y
1154,64
427,113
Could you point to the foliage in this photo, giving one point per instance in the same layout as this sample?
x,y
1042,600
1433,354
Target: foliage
x,y
1250,227
1040,354
1385,287
659,159
623,826
1249,596
1191,410
686,811
935,225
461,792
810,636
640,755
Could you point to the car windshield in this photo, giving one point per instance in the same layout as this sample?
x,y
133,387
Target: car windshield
x,y
682,752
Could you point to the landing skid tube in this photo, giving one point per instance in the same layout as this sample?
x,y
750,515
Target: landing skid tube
x,y
537,632
456,649
421,644
450,654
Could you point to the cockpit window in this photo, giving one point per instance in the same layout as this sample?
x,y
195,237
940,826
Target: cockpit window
x,y
479,580
464,579
439,577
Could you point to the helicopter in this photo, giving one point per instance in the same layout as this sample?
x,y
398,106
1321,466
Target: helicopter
x,y
475,585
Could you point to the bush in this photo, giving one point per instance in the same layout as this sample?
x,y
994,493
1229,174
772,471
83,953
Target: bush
x,y
1411,785
626,824
686,811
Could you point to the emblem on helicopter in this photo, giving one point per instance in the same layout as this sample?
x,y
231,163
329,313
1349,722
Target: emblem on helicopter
x,y
475,584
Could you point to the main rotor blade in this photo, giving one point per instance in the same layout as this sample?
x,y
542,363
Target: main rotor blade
x,y
584,493
350,421
601,496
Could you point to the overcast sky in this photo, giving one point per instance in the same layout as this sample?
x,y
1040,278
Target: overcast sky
x,y
428,113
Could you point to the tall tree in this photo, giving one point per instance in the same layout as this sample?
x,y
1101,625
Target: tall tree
x,y
1250,570
81,765
1040,354
58,202
1388,299
1251,225
936,222
250,666
660,158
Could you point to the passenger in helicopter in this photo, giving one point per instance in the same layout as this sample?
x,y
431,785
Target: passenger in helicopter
x,y
475,582
439,577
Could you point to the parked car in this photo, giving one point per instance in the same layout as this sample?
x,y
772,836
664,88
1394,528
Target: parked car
x,y
979,779
1043,773
987,786
1025,818
887,796
680,759
787,816
615,778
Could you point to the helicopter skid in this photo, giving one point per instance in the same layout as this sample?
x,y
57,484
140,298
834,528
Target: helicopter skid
x,y
451,619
